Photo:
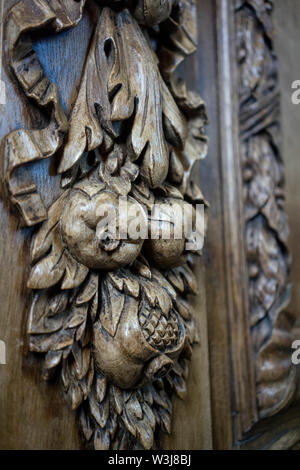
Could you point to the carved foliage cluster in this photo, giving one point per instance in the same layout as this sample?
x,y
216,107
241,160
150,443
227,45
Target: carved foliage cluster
x,y
115,329
61,323
265,218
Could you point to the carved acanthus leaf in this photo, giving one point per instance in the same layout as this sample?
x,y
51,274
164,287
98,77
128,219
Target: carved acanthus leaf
x,y
126,82
58,325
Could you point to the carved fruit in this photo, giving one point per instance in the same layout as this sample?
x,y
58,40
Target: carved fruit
x,y
161,331
90,229
169,234
137,342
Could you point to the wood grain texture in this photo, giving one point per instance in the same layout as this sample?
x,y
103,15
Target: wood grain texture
x,y
192,420
243,388
204,73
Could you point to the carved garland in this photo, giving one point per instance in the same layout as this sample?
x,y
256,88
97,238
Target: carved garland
x,y
117,330
266,221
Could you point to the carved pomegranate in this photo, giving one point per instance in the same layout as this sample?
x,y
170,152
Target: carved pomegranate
x,y
137,341
169,234
87,226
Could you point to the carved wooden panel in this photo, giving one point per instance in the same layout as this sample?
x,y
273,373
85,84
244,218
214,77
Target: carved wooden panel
x,y
107,317
257,262
111,314
266,223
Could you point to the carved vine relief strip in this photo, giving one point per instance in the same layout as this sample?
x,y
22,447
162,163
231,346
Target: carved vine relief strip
x,y
111,315
265,218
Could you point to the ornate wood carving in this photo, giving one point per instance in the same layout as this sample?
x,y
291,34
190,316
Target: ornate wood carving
x,y
111,314
266,226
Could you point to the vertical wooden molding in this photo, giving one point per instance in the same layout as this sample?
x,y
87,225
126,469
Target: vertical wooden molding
x,y
243,390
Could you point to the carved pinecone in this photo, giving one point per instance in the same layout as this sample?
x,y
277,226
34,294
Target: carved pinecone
x,y
161,330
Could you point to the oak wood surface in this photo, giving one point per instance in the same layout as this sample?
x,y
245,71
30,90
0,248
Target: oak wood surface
x,y
211,182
